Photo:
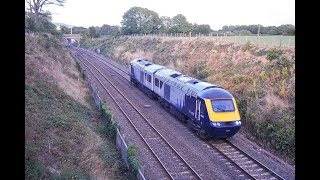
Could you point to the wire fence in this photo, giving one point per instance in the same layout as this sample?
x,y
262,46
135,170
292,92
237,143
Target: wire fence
x,y
279,41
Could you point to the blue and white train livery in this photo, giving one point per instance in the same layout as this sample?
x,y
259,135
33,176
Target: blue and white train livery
x,y
207,108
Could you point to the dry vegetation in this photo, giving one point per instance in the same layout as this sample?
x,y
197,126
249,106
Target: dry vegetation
x,y
261,79
62,139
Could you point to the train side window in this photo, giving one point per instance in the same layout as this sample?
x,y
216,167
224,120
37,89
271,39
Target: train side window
x,y
141,77
156,82
149,78
161,83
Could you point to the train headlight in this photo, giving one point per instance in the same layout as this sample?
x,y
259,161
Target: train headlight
x,y
215,124
238,122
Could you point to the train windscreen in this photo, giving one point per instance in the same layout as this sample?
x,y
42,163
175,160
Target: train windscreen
x,y
222,105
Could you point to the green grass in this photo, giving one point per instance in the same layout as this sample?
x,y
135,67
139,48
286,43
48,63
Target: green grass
x,y
47,112
59,130
270,41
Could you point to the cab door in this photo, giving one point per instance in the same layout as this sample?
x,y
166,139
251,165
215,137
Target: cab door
x,y
197,113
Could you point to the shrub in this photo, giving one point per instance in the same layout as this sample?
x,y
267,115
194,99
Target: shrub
x,y
274,53
109,128
133,161
247,46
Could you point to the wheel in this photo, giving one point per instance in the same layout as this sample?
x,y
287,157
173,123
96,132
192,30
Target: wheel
x,y
190,124
202,134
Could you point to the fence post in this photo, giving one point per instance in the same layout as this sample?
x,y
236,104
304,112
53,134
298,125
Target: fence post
x,y
189,35
289,44
280,40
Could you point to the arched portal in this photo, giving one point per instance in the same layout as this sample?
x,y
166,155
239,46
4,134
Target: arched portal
x,y
67,38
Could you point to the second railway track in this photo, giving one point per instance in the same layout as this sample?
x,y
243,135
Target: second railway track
x,y
243,161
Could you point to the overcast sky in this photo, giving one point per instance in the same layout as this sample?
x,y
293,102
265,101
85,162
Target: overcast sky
x,y
216,13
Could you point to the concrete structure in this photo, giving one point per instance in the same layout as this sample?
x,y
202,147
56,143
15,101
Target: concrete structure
x,y
67,38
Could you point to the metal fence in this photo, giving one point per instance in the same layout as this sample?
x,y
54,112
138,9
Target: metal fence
x,y
278,41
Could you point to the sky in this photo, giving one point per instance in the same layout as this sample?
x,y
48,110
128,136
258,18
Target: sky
x,y
216,13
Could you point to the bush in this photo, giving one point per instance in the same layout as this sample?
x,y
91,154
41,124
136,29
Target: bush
x,y
274,53
275,128
247,46
133,161
109,128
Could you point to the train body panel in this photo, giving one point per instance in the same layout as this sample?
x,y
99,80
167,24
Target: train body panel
x,y
210,109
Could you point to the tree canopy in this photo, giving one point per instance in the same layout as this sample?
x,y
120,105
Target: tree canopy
x,y
165,24
109,30
180,24
35,7
139,20
202,29
93,32
286,29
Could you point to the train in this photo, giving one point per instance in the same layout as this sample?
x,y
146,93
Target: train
x,y
208,109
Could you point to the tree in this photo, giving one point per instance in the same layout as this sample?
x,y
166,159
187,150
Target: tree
x,y
139,20
290,32
44,24
180,24
165,24
65,30
244,33
93,32
35,7
109,30
202,29
273,30
79,30
287,29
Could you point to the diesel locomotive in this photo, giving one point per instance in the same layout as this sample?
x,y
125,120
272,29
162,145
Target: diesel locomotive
x,y
208,109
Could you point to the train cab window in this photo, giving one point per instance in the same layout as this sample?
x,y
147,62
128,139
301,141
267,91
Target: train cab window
x,y
156,82
161,83
222,105
149,78
202,107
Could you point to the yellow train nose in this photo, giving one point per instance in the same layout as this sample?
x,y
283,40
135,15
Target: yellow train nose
x,y
222,116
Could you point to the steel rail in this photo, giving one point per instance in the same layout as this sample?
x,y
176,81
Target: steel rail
x,y
146,120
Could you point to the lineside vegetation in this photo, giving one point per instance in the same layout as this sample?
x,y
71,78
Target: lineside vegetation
x,y
262,79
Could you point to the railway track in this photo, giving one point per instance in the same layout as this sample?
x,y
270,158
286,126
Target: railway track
x,y
250,167
104,61
246,163
172,162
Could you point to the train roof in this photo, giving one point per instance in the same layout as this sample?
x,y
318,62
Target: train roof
x,y
146,65
186,83
174,78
